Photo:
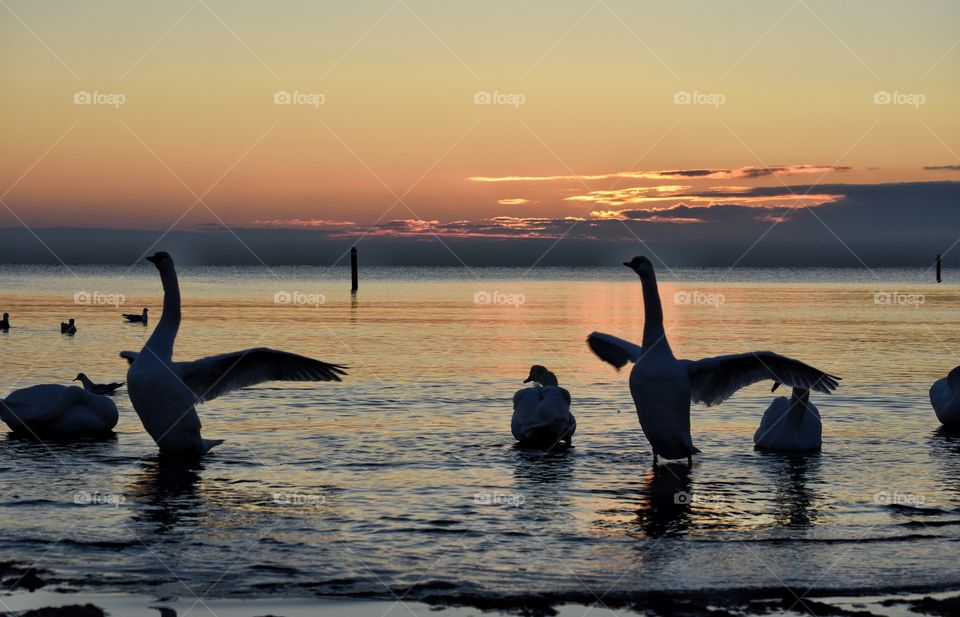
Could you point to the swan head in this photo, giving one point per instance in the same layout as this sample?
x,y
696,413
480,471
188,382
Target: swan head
x,y
80,377
536,373
145,310
70,321
160,258
640,265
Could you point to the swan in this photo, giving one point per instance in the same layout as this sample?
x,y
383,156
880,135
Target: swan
x,y
97,388
790,423
53,410
68,327
945,398
663,386
134,318
5,322
165,393
541,414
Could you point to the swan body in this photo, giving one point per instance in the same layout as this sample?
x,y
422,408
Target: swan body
x,y
165,393
97,388
541,413
945,398
790,424
135,318
54,410
68,327
663,386
5,322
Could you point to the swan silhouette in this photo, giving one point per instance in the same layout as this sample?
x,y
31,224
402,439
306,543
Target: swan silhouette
x,y
663,386
53,410
790,423
135,318
945,398
68,327
97,388
541,414
165,393
5,322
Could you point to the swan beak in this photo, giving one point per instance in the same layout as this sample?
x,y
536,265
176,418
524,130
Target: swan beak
x,y
152,259
627,264
528,380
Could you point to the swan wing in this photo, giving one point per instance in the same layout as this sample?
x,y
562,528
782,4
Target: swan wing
x,y
211,377
130,356
714,380
613,350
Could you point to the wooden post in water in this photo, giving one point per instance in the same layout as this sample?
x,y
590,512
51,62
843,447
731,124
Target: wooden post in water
x,y
938,269
353,269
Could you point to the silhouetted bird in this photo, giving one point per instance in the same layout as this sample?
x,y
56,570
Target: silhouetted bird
x,y
134,318
97,388
68,327
5,322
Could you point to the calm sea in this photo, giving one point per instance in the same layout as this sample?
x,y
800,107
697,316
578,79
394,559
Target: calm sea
x,y
405,478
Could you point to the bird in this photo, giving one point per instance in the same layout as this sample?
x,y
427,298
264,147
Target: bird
x,y
945,398
663,386
165,392
68,327
790,423
54,410
5,322
541,413
97,388
134,318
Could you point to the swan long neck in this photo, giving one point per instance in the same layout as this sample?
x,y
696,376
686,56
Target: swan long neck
x,y
653,332
548,379
161,341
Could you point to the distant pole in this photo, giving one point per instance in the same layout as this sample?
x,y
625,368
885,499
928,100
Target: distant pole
x,y
938,269
353,269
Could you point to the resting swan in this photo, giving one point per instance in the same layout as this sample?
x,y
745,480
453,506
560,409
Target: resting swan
x,y
663,386
541,414
790,424
52,410
945,398
165,393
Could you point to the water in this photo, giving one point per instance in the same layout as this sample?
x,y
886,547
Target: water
x,y
405,478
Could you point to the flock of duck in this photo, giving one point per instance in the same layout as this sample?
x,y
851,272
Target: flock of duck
x,y
165,393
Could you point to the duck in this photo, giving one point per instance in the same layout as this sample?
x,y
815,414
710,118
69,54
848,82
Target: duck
x,y
135,318
58,411
790,423
68,327
165,392
5,322
97,388
663,386
541,413
945,398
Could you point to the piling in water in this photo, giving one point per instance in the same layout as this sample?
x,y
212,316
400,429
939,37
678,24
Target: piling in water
x,y
938,269
353,269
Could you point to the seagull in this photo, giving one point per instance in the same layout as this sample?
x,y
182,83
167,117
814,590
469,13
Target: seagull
x,y
134,318
541,414
68,327
945,398
663,386
97,388
5,322
165,393
790,423
53,410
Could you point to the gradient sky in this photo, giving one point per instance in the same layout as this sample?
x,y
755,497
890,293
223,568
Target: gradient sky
x,y
788,85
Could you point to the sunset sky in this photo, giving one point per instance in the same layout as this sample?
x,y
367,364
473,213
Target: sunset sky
x,y
501,119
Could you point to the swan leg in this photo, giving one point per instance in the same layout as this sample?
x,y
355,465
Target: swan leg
x,y
689,461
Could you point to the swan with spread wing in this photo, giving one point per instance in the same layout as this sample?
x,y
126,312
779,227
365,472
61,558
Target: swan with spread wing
x,y
165,393
663,386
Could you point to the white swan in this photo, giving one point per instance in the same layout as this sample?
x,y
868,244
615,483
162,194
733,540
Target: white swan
x,y
541,414
663,386
164,393
790,424
97,388
52,410
134,318
945,398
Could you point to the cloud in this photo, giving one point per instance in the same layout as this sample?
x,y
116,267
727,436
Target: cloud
x,y
942,167
739,172
513,201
